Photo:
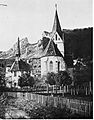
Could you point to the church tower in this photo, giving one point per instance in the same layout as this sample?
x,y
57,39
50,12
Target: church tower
x,y
57,34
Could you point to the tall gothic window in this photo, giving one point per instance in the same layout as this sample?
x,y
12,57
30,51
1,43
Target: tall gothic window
x,y
51,66
58,66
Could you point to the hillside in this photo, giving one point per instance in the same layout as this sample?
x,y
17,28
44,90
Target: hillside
x,y
78,42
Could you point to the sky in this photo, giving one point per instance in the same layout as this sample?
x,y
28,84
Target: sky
x,y
29,18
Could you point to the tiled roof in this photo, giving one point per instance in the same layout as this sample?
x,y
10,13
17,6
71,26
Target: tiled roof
x,y
20,66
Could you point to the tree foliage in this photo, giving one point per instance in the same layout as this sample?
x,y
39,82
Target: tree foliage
x,y
63,78
51,78
26,80
83,74
2,81
77,39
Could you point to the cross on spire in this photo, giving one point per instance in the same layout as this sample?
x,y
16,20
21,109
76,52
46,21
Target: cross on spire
x,y
56,6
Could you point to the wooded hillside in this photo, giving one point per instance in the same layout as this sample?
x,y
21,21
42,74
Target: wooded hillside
x,y
79,42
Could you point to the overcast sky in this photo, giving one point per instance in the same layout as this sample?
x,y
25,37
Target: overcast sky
x,y
29,18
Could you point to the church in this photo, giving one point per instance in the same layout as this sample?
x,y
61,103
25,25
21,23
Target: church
x,y
49,56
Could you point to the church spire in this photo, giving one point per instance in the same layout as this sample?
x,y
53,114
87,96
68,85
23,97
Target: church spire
x,y
56,25
18,48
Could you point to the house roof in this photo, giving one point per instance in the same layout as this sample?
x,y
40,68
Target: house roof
x,y
20,66
56,25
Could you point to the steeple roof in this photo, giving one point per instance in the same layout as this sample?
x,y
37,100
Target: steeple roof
x,y
56,25
20,66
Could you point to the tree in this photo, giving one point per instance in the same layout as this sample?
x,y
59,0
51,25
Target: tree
x,y
2,82
63,78
83,77
30,81
50,80
26,80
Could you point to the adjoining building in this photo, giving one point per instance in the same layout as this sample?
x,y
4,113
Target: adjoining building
x,y
14,71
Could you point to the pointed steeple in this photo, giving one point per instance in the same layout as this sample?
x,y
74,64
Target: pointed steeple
x,y
18,48
56,25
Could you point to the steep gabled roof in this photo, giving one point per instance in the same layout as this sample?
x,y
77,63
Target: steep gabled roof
x,y
51,50
56,25
20,66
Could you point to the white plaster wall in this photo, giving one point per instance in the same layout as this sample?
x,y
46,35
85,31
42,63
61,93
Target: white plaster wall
x,y
59,42
45,67
8,73
15,78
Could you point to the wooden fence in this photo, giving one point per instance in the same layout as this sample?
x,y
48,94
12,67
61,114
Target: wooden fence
x,y
77,106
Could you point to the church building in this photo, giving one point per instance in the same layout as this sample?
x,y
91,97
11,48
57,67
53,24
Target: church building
x,y
14,71
49,56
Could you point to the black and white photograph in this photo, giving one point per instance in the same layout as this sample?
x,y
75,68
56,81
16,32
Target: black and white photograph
x,y
46,59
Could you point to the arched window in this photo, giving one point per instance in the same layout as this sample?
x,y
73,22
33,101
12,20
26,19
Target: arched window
x,y
58,66
51,66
